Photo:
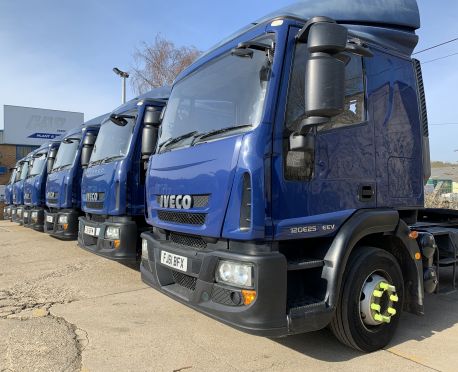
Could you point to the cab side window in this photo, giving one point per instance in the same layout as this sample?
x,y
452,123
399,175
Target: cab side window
x,y
354,107
354,110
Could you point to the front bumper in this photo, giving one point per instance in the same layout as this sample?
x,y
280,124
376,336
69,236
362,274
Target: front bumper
x,y
36,218
7,212
26,216
17,214
68,231
124,249
266,316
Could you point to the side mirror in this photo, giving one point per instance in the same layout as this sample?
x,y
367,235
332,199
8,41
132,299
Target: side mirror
x,y
325,73
88,146
51,158
152,117
151,123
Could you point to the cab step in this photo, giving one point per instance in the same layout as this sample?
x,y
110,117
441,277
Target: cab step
x,y
304,264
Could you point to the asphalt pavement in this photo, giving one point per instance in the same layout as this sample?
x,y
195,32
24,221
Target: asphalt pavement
x,y
65,309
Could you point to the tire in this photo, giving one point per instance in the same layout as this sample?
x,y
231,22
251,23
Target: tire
x,y
348,324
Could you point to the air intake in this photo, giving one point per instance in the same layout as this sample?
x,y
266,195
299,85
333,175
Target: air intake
x,y
245,207
421,97
423,120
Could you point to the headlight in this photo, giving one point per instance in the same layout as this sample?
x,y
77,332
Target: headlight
x,y
34,214
112,232
236,273
145,249
19,211
63,220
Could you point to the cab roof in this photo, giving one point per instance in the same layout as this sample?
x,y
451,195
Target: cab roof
x,y
399,18
158,95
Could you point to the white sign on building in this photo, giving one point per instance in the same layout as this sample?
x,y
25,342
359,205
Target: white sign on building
x,y
35,126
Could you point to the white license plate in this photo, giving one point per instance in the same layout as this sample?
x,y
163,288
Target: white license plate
x,y
49,219
175,261
26,214
89,230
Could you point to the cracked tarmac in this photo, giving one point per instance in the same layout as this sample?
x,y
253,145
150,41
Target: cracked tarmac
x,y
64,309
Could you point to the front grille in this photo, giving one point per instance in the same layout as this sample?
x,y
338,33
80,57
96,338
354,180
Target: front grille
x,y
96,218
182,217
198,201
184,280
226,296
94,205
188,240
89,240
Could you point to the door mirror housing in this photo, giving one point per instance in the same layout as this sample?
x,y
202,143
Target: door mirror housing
x,y
152,117
88,146
151,123
325,71
51,158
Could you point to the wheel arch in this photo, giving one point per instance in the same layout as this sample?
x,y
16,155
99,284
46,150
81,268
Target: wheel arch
x,y
382,229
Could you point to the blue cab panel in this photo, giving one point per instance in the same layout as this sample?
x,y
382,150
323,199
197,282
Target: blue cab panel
x,y
35,186
113,184
234,207
63,185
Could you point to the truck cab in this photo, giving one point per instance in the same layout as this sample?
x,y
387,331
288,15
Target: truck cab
x,y
35,186
9,194
18,189
63,186
113,184
291,159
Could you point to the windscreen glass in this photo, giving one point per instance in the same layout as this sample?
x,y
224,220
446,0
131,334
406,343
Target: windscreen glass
x,y
66,153
39,163
227,92
13,176
113,140
24,171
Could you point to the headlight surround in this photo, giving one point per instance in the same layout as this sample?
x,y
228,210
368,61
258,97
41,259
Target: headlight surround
x,y
238,274
63,220
112,232
145,255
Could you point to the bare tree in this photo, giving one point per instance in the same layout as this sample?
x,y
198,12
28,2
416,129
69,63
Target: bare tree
x,y
159,63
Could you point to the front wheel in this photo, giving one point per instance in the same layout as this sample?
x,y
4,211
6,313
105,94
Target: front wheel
x,y
371,300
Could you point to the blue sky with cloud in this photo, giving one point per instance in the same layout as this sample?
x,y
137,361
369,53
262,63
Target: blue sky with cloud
x,y
60,54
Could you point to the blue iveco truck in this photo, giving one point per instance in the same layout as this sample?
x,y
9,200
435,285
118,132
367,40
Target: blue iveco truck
x,y
63,186
286,193
18,207
9,193
35,186
113,184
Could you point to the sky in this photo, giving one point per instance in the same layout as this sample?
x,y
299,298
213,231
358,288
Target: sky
x,y
59,54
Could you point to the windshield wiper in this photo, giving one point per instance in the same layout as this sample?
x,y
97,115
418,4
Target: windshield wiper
x,y
172,141
57,169
219,131
104,160
111,158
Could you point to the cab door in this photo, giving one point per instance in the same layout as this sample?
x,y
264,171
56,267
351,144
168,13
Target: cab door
x,y
336,175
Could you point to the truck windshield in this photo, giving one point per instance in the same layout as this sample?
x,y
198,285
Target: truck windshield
x,y
24,171
39,163
226,92
113,140
13,176
66,153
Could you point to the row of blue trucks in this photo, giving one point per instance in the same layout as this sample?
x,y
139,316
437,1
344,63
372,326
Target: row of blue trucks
x,y
277,188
